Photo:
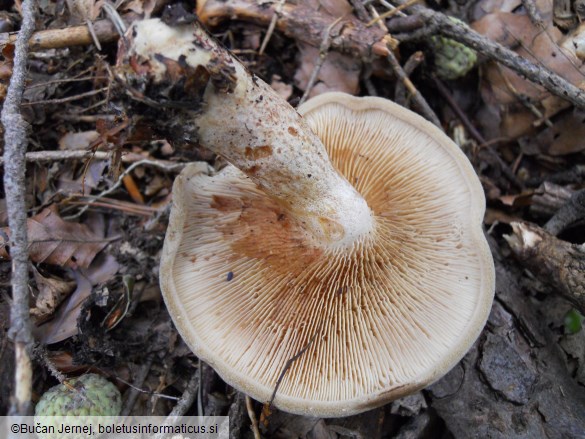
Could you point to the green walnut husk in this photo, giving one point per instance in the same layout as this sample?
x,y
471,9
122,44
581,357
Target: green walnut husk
x,y
453,60
74,403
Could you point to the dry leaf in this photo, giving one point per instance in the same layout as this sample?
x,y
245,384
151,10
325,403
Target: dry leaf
x,y
72,183
64,324
564,137
57,242
144,7
284,90
78,140
495,215
52,291
335,8
83,10
507,91
339,72
517,200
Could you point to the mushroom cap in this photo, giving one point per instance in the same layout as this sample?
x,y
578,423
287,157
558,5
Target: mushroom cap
x,y
248,289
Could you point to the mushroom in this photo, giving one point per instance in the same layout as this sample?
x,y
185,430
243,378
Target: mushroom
x,y
341,253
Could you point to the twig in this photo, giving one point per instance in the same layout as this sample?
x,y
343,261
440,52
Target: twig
x,y
376,18
367,78
252,416
442,89
41,352
15,143
577,173
68,98
200,411
137,384
537,74
524,100
105,32
65,80
271,26
84,118
392,12
409,67
445,93
112,204
289,363
425,31
408,23
323,50
52,156
184,404
187,398
360,10
115,18
119,182
147,392
552,260
391,6
534,14
418,99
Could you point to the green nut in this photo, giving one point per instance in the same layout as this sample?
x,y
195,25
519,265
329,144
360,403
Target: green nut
x,y
88,395
452,59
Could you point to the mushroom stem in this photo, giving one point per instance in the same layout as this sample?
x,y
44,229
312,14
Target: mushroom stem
x,y
240,117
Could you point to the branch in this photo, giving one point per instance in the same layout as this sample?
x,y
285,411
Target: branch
x,y
494,51
418,99
298,21
553,261
105,32
15,140
53,156
570,213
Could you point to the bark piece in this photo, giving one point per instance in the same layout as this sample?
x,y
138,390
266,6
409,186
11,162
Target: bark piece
x,y
570,213
415,427
505,371
555,408
555,262
548,199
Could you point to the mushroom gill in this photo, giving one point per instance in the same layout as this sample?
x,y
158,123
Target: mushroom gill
x,y
380,319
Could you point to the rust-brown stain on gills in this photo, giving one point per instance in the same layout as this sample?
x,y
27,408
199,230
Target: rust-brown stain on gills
x,y
264,231
225,204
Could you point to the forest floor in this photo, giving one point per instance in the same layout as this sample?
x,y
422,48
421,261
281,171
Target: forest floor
x,y
98,194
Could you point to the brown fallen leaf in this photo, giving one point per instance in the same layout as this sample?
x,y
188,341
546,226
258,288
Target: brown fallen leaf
x,y
564,137
517,200
76,141
57,242
64,323
52,291
506,92
338,72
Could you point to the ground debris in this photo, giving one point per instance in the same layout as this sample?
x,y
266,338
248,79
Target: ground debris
x,y
100,172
